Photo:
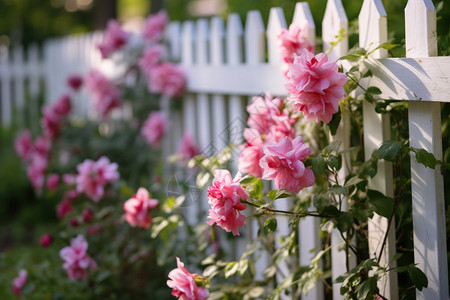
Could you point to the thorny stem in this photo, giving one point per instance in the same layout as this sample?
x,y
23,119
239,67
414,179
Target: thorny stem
x,y
302,214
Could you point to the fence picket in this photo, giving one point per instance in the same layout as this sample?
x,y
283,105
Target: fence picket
x,y
334,27
19,97
5,87
373,32
427,185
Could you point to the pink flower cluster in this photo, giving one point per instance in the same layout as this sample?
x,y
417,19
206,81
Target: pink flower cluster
x,y
94,175
167,79
187,148
76,260
316,86
106,95
183,284
154,128
150,58
269,121
283,161
19,282
54,116
292,41
225,196
154,27
138,207
115,38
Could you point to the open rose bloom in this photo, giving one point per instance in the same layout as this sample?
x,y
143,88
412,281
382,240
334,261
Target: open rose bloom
x,y
115,38
225,196
106,95
94,175
154,128
316,86
154,27
19,282
76,261
167,79
283,161
183,284
138,207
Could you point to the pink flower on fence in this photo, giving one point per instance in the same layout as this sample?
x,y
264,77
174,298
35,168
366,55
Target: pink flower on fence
x,y
19,282
106,95
183,284
316,86
115,38
76,260
187,148
150,58
46,240
62,107
225,196
75,82
154,128
36,171
138,207
154,27
94,175
63,208
24,145
51,123
293,41
251,153
52,181
283,161
167,79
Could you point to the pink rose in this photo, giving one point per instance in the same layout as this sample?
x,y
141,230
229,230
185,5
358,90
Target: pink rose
x,y
42,146
76,260
225,196
167,79
115,38
251,153
36,171
316,86
51,123
87,215
62,107
94,175
154,128
75,82
63,208
183,284
283,161
19,282
24,145
150,58
138,207
187,148
292,41
46,240
106,95
154,27
52,181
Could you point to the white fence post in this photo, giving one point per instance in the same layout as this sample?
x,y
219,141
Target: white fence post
x,y
372,33
5,87
427,185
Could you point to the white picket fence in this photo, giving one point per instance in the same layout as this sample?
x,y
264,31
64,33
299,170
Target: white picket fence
x,y
226,64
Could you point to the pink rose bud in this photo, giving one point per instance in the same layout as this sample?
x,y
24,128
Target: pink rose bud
x,y
46,240
87,215
73,222
75,82
52,181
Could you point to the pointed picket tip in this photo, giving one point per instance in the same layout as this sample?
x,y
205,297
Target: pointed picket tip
x,y
334,21
234,39
373,27
420,29
254,36
276,23
304,19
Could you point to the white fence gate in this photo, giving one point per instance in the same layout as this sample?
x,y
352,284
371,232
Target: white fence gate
x,y
226,64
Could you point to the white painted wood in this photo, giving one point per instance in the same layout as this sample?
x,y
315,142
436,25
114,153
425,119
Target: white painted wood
x,y
373,32
174,40
34,75
276,23
413,79
334,20
304,19
5,87
427,186
19,97
254,35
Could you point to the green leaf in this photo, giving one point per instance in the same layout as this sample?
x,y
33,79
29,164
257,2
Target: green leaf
x,y
354,55
231,269
353,181
334,162
389,150
373,90
425,158
247,180
330,210
344,221
318,165
334,123
418,278
383,205
270,225
255,190
368,288
278,194
337,189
